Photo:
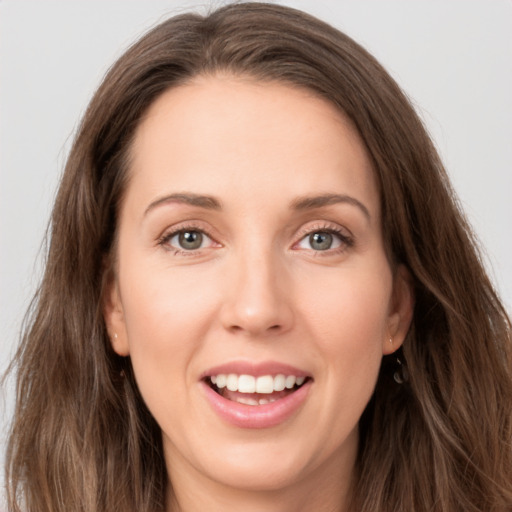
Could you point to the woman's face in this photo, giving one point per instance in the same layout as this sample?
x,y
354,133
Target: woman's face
x,y
251,259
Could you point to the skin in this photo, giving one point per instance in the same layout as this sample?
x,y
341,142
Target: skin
x,y
257,290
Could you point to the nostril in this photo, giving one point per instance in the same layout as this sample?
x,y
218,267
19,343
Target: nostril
x,y
273,328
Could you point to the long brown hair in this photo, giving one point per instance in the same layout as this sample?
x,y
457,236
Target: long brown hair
x,y
82,438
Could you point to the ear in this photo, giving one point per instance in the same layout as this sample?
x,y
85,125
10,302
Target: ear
x,y
402,308
114,317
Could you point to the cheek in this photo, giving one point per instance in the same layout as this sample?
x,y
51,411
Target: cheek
x,y
348,320
166,314
351,308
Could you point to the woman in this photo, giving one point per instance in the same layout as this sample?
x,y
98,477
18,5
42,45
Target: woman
x,y
260,293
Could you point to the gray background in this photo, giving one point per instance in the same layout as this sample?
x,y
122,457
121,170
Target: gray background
x,y
453,58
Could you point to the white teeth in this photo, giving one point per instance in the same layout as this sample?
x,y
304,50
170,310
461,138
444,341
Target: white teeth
x,y
221,381
232,382
265,384
246,384
279,382
252,401
247,401
289,382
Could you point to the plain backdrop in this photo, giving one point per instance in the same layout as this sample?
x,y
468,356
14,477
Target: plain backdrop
x,y
453,58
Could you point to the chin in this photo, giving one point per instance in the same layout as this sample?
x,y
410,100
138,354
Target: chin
x,y
259,474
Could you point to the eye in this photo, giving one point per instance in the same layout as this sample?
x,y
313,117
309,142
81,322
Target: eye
x,y
187,239
324,240
321,241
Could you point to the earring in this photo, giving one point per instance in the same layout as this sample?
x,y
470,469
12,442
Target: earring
x,y
401,374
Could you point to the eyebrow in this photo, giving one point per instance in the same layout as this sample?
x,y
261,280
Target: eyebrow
x,y
208,202
312,202
301,203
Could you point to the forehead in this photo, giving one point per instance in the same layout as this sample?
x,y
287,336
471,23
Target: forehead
x,y
228,135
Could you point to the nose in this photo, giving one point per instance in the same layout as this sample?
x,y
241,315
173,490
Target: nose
x,y
258,298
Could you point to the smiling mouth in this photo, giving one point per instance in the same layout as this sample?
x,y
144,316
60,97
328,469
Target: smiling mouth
x,y
255,391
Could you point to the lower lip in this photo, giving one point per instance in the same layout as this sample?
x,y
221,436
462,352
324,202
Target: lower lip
x,y
257,416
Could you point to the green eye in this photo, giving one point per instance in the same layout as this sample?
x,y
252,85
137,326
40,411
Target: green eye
x,y
320,241
190,240
323,240
187,240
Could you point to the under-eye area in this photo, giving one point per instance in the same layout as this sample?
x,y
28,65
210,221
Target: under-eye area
x,y
251,390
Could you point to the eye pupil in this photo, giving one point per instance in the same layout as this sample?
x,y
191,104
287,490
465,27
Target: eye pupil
x,y
320,241
190,239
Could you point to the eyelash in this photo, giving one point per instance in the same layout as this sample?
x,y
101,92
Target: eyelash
x,y
346,241
164,240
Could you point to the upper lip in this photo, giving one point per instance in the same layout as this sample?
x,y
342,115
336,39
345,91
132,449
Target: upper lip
x,y
255,369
